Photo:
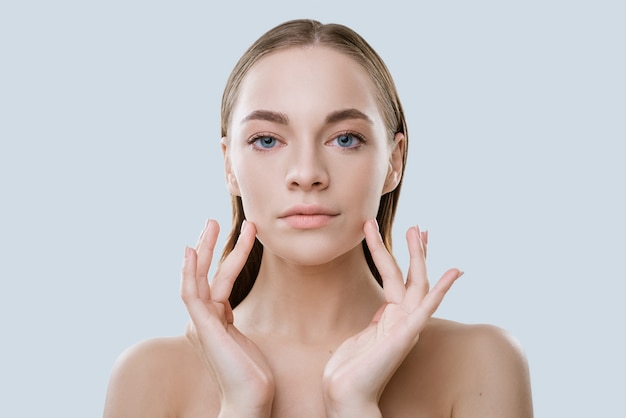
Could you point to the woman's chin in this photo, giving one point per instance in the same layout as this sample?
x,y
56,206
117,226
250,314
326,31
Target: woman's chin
x,y
312,253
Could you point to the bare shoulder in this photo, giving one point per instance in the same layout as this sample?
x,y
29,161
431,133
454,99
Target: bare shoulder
x,y
150,378
491,377
459,370
476,342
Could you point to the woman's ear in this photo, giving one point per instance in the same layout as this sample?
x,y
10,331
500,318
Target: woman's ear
x,y
231,180
396,158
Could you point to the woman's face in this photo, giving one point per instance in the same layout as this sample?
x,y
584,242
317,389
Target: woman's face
x,y
308,154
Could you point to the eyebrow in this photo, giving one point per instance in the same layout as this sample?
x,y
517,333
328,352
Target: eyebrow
x,y
267,115
346,114
281,118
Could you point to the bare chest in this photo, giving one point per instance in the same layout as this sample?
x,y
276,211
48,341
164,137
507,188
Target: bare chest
x,y
414,391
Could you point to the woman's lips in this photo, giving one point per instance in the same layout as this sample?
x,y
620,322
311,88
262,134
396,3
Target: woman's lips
x,y
307,221
308,216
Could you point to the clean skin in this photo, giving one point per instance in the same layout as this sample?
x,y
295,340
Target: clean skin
x,y
308,153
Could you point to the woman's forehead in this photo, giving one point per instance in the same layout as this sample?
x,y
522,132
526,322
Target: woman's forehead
x,y
313,79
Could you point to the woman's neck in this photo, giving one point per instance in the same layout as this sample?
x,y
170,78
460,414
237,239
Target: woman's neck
x,y
310,304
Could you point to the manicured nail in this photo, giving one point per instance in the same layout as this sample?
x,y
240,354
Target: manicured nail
x,y
375,223
187,251
460,274
243,226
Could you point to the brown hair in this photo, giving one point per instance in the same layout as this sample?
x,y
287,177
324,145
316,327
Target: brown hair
x,y
300,33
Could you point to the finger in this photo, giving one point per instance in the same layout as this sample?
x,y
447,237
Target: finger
x,y
206,245
230,268
188,286
424,236
417,279
433,299
199,313
204,250
393,284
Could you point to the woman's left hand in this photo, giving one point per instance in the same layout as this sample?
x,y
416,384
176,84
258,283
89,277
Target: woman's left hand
x,y
357,373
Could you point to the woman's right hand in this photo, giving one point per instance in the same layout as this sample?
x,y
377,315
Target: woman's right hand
x,y
244,379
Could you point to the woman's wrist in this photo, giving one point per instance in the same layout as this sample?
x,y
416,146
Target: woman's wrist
x,y
353,411
342,399
261,407
235,411
352,408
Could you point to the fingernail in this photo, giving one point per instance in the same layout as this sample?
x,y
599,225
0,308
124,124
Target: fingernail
x,y
187,251
375,223
243,226
460,274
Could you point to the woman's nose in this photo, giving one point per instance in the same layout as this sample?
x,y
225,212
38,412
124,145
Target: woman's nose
x,y
307,170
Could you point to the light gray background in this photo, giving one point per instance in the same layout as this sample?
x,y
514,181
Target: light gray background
x,y
110,163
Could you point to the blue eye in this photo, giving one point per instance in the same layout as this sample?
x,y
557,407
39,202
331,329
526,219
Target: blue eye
x,y
265,142
347,140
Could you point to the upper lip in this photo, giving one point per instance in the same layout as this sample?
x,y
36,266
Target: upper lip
x,y
308,210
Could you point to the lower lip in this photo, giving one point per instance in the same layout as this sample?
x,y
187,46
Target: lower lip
x,y
307,221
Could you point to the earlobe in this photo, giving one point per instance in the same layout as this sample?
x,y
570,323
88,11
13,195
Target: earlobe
x,y
396,162
231,180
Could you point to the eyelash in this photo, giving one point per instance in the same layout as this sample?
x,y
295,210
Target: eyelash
x,y
255,138
361,140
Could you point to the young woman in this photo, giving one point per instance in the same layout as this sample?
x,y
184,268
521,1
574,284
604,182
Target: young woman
x,y
308,314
